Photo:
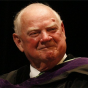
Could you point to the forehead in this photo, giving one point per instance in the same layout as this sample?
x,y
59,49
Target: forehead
x,y
37,11
37,14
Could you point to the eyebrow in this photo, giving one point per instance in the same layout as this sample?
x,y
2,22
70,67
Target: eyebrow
x,y
51,25
33,28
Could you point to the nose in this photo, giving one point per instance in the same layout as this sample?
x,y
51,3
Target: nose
x,y
45,37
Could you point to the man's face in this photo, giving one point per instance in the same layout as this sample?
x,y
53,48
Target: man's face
x,y
43,39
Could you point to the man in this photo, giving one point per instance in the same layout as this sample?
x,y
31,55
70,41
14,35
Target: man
x,y
40,34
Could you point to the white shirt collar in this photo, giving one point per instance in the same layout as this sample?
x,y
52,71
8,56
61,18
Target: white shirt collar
x,y
64,57
34,72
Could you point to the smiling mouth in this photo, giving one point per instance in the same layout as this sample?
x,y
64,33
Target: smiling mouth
x,y
45,48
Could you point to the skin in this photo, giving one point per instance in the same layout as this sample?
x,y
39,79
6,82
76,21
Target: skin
x,y
42,37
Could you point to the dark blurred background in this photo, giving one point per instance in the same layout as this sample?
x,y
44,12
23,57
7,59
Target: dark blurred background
x,y
75,18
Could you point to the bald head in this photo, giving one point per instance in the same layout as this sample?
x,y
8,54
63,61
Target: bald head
x,y
35,10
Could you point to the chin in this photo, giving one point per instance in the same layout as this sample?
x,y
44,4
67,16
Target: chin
x,y
49,56
49,65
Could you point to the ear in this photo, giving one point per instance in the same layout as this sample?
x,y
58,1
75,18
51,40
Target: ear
x,y
63,29
18,42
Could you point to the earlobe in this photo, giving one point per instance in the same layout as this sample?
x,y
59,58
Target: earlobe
x,y
18,42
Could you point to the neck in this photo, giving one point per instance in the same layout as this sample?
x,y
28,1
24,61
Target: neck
x,y
48,65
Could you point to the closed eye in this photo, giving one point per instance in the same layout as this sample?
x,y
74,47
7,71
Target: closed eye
x,y
52,29
33,33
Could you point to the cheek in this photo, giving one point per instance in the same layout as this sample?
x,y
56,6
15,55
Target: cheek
x,y
33,42
57,36
61,39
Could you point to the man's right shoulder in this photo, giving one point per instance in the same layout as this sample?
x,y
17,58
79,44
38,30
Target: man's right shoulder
x,y
12,76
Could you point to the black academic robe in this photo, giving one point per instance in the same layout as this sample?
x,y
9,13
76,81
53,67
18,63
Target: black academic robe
x,y
20,75
58,77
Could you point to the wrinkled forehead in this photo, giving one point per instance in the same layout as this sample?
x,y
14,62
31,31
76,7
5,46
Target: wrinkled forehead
x,y
37,12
